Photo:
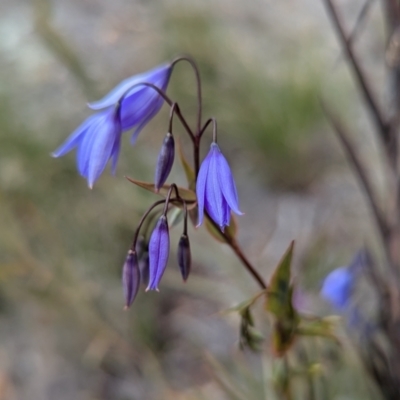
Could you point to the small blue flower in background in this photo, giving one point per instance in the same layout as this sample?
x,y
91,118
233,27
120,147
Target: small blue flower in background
x,y
158,252
98,138
216,189
338,287
140,103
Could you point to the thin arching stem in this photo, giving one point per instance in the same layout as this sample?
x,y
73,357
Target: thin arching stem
x,y
198,82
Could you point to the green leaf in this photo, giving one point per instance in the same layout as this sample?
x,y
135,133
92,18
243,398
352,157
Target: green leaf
x,y
189,171
175,216
283,335
215,232
188,195
280,292
322,327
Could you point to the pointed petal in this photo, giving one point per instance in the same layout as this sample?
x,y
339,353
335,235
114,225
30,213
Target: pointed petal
x,y
74,139
102,146
115,154
157,76
145,121
226,182
158,253
201,187
214,204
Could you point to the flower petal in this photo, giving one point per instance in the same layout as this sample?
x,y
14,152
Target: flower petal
x,y
226,182
74,139
201,187
157,76
102,146
214,203
338,286
158,253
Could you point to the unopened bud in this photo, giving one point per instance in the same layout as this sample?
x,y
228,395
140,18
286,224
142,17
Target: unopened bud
x,y
165,161
184,256
158,252
130,278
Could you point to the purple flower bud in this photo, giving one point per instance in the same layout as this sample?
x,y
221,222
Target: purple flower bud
x,y
165,161
184,256
130,278
216,189
158,253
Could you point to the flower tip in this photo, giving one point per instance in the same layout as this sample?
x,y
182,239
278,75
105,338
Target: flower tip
x,y
126,307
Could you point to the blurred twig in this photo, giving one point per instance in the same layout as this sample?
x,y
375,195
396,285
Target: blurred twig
x,y
383,128
359,168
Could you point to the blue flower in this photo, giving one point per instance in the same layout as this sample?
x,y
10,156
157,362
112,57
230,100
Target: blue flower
x,y
158,253
98,139
216,189
338,287
127,106
139,103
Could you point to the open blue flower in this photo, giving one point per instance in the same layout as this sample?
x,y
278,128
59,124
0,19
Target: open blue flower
x,y
98,139
127,106
216,189
139,103
338,287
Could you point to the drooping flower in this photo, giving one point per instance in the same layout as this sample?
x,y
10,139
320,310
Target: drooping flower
x,y
338,287
216,189
158,252
139,103
165,161
98,139
130,278
127,106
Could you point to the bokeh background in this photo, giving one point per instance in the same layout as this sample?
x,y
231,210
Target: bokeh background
x,y
264,63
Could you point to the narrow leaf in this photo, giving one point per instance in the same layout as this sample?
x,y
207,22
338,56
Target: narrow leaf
x,y
279,297
215,232
188,195
189,171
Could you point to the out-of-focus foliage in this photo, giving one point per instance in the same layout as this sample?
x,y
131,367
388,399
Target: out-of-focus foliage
x,y
63,332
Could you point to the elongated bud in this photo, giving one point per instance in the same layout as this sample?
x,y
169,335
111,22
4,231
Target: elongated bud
x,y
165,161
144,268
130,278
158,253
184,256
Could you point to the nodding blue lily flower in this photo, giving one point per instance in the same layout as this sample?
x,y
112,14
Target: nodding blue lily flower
x,y
338,287
127,106
216,189
139,103
158,253
98,139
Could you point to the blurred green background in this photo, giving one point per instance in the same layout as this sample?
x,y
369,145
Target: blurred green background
x,y
63,332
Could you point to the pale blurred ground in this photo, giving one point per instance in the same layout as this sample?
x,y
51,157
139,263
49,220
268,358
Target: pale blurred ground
x,y
63,333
